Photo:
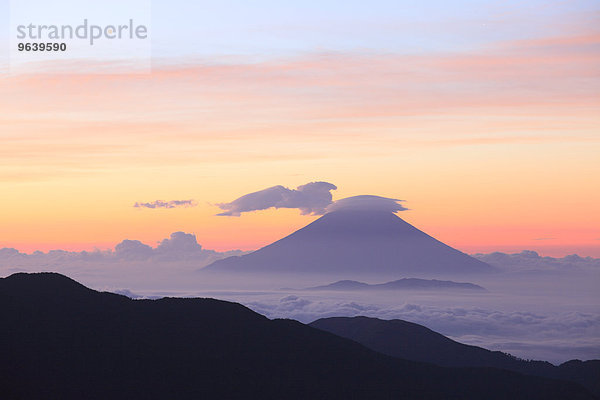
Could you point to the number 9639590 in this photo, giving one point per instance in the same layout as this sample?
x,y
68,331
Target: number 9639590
x,y
42,46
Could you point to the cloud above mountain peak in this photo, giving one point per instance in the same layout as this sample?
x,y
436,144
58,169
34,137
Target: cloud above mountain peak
x,y
367,202
312,198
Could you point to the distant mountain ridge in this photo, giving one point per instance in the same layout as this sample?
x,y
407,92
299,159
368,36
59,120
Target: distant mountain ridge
x,y
415,342
62,340
355,241
400,284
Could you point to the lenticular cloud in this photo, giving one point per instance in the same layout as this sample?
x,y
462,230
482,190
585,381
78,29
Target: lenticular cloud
x,y
367,202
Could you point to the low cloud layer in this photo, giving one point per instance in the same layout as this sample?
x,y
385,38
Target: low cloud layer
x,y
529,260
130,261
312,198
547,335
166,204
552,316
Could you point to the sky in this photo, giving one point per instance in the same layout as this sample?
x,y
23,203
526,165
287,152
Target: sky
x,y
483,116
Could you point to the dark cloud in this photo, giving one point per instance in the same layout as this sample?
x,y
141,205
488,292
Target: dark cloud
x,y
166,204
312,198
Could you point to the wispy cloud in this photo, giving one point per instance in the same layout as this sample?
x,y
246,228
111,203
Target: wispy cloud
x,y
167,204
359,96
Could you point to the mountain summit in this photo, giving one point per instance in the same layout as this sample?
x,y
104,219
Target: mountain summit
x,y
355,240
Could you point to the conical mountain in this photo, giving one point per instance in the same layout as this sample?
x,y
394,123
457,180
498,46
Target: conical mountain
x,y
356,241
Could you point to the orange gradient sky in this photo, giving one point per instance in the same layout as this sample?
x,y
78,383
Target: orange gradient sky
x,y
493,148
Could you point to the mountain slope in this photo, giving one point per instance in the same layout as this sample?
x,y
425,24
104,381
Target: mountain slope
x,y
355,241
60,340
415,342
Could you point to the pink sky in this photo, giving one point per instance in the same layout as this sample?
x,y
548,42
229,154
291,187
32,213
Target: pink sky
x,y
493,149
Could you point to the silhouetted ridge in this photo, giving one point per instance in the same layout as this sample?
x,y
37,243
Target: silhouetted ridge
x,y
42,284
415,342
82,344
342,285
586,373
400,284
357,241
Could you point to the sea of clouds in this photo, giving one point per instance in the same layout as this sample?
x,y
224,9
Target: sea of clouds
x,y
535,308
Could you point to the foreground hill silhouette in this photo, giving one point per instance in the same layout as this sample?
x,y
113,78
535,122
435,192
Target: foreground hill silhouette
x,y
61,340
359,241
411,341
